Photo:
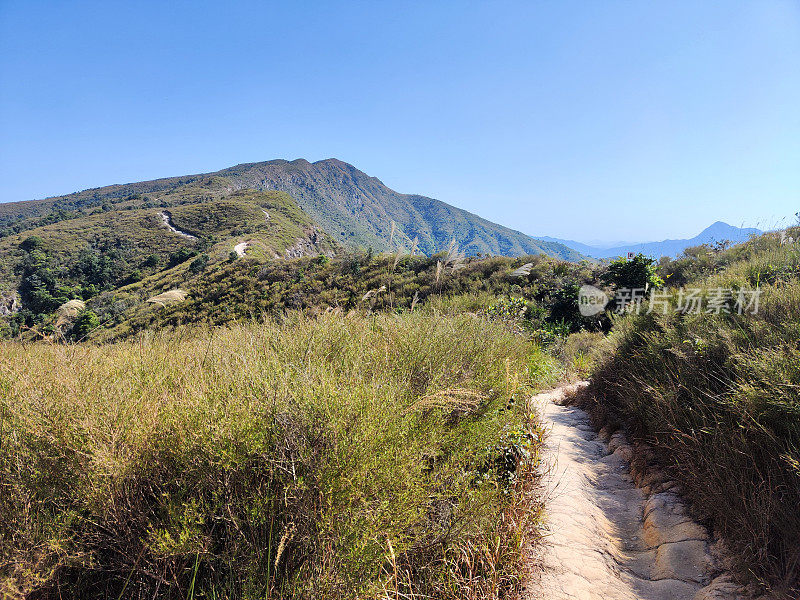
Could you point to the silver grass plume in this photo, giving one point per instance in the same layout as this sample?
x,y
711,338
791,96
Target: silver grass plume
x,y
168,297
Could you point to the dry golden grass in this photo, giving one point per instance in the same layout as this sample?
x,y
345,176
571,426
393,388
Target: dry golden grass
x,y
717,397
268,461
452,398
68,312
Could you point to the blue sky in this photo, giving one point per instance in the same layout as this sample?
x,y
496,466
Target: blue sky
x,y
587,120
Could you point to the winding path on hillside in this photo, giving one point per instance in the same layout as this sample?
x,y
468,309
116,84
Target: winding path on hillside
x,y
605,538
166,217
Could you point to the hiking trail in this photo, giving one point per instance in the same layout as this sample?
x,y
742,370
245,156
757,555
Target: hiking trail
x,y
605,538
241,247
166,218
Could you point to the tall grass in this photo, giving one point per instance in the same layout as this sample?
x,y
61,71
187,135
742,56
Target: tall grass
x,y
346,457
717,397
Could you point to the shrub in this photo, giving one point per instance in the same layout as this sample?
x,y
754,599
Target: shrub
x,y
180,256
199,263
31,243
85,323
152,261
334,457
636,273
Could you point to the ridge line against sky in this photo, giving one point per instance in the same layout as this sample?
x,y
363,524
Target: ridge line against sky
x,y
575,120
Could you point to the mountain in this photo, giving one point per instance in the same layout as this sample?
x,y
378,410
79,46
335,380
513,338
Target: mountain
x,y
150,236
355,209
717,232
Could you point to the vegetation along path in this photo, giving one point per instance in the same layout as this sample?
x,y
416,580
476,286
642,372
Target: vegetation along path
x,y
606,538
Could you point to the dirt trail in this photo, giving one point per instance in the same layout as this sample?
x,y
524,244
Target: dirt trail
x,y
166,217
606,538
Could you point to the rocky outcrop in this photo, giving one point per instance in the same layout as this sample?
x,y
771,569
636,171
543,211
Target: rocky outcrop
x,y
306,246
10,303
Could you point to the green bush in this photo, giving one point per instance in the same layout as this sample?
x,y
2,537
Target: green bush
x,y
180,256
199,263
86,322
640,272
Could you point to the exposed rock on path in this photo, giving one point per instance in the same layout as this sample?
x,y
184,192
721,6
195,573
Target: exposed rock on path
x,y
242,247
607,539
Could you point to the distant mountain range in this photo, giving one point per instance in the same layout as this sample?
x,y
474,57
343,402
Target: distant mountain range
x,y
718,232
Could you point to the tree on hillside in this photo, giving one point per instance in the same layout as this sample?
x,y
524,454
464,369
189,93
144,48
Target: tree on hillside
x,y
636,273
86,322
31,243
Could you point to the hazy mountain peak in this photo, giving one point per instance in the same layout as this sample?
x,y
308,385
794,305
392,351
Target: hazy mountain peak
x,y
720,228
718,231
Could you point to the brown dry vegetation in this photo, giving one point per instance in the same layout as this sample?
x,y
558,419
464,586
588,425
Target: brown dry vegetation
x,y
348,457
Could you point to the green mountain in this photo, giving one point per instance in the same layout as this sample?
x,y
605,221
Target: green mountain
x,y
358,210
145,238
355,209
78,246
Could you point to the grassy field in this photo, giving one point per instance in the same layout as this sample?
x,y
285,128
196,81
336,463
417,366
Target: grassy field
x,y
717,397
345,456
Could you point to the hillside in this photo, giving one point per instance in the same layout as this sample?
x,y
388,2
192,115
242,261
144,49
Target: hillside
x,y
356,209
239,290
90,249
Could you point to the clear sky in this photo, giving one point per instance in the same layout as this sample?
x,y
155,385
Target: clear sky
x,y
586,120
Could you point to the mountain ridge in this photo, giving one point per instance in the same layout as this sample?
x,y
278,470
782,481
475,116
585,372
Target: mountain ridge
x,y
338,195
719,231
356,209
